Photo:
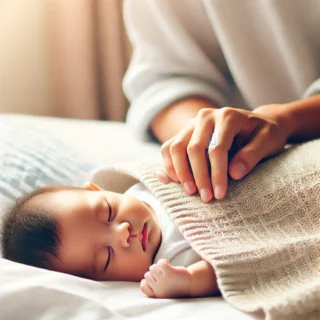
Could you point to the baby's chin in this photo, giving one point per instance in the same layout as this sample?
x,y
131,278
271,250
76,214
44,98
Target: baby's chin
x,y
157,248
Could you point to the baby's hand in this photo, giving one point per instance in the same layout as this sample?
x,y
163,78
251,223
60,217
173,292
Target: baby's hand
x,y
166,281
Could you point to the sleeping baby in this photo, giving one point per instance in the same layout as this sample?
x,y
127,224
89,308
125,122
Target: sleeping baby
x,y
102,235
260,244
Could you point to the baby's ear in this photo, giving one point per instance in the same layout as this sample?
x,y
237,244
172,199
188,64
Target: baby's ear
x,y
91,186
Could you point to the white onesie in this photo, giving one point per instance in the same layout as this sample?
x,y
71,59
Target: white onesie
x,y
173,245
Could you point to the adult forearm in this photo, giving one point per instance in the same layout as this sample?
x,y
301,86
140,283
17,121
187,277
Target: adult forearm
x,y
299,119
304,119
174,118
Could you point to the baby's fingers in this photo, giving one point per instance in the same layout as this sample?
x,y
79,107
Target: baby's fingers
x,y
151,281
162,264
146,289
156,272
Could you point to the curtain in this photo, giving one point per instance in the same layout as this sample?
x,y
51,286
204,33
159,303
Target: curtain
x,y
88,54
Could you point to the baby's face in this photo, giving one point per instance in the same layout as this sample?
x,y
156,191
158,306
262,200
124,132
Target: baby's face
x,y
104,235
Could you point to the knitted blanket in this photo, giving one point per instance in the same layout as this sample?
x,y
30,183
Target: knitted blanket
x,y
263,239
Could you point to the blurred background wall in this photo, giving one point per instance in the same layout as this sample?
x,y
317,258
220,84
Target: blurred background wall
x,y
63,58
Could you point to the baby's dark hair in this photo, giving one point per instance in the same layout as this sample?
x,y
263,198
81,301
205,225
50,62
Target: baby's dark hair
x,y
30,233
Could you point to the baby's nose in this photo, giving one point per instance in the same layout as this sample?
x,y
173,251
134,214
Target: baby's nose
x,y
124,233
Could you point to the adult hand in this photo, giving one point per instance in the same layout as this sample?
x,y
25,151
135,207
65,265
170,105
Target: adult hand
x,y
166,281
255,135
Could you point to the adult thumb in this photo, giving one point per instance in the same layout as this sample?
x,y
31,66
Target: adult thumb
x,y
249,156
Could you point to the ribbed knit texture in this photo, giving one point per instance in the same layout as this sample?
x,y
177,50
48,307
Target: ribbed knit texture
x,y
263,239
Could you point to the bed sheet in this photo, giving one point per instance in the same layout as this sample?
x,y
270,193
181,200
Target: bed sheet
x,y
31,293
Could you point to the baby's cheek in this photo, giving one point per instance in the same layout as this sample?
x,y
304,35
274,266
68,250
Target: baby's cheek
x,y
135,268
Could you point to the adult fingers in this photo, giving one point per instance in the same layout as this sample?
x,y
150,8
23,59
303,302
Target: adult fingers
x,y
175,159
197,149
162,176
228,125
167,160
264,142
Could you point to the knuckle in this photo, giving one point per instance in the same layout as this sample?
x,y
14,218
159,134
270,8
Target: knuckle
x,y
152,267
250,156
194,148
271,129
217,150
205,112
269,132
226,112
164,149
176,147
163,261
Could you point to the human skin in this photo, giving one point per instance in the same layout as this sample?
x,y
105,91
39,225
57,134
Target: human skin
x,y
166,281
258,134
99,228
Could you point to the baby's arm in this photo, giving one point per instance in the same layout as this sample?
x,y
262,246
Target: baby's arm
x,y
166,281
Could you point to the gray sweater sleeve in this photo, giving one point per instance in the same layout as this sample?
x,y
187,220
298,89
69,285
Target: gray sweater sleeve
x,y
313,89
176,55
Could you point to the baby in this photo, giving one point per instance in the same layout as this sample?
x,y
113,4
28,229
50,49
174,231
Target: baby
x,y
102,235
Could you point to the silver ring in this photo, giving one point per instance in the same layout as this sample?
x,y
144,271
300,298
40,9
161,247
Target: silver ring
x,y
214,142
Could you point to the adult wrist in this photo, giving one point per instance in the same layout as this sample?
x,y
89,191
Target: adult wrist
x,y
280,114
175,117
289,120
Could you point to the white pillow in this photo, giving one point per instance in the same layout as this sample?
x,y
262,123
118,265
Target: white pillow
x,y
31,157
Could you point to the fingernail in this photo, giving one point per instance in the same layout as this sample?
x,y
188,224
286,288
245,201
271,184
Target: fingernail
x,y
205,195
218,192
240,170
188,186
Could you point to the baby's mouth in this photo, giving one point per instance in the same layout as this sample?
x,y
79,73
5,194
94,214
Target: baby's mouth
x,y
144,236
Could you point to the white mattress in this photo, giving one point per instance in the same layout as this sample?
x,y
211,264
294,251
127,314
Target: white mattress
x,y
31,293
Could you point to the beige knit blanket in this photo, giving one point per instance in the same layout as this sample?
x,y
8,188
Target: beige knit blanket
x,y
263,239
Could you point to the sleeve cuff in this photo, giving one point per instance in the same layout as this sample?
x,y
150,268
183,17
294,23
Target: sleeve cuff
x,y
313,89
162,94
